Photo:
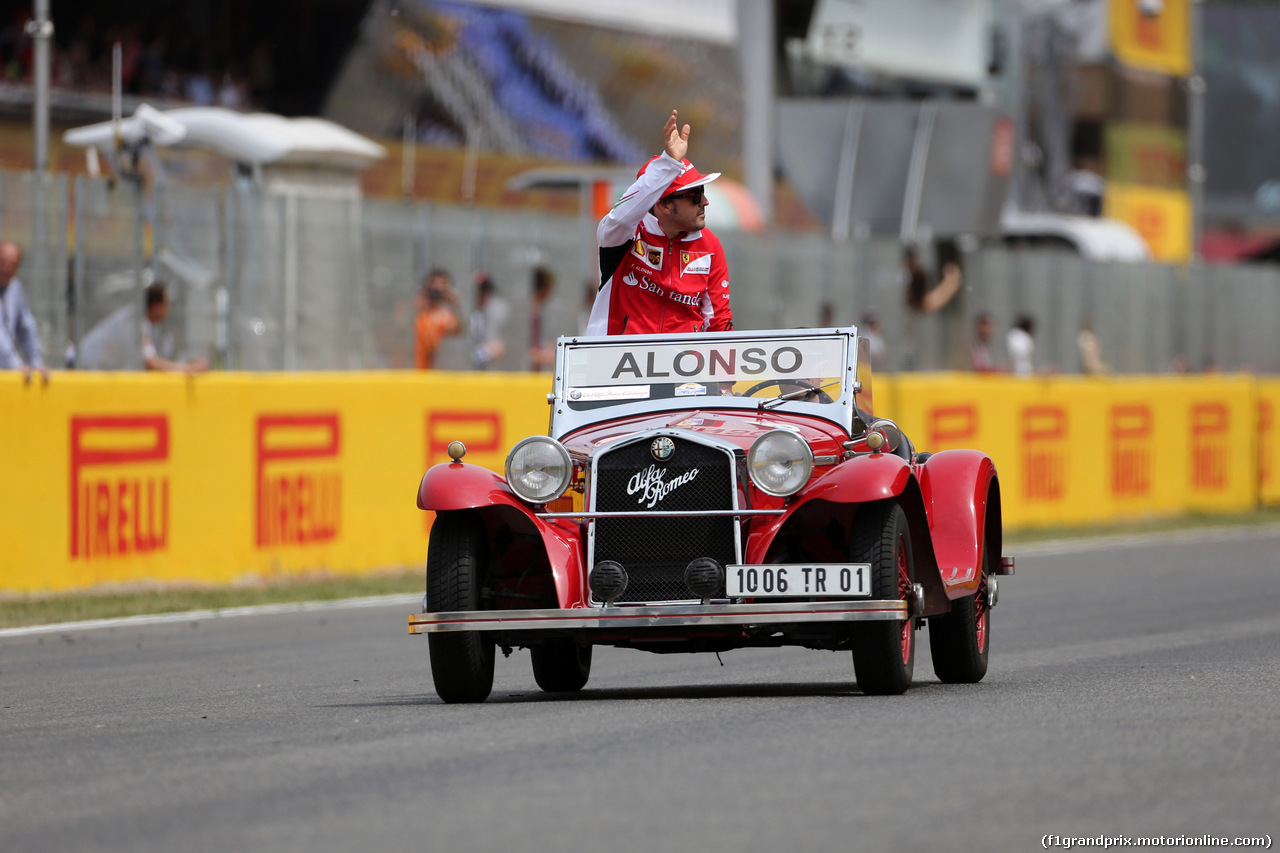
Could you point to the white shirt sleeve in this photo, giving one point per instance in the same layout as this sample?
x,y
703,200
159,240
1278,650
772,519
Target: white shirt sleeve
x,y
619,224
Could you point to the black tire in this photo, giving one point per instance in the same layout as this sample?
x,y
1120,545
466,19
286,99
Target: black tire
x,y
960,641
561,666
884,653
461,662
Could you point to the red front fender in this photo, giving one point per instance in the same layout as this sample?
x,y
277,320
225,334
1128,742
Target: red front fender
x,y
457,485
957,486
452,486
863,479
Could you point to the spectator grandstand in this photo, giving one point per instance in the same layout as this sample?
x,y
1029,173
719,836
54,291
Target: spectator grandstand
x,y
486,77
498,80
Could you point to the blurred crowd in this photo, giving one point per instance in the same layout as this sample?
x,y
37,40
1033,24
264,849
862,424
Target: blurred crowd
x,y
155,63
442,314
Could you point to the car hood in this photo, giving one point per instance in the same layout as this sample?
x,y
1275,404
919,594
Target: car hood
x,y
739,428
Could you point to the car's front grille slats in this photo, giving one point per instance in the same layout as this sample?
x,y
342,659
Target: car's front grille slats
x,y
655,551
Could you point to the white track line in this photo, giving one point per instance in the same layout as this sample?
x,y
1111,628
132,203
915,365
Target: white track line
x,y
1137,540
1031,549
408,600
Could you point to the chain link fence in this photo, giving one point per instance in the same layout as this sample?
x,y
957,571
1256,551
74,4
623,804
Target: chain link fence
x,y
33,213
326,280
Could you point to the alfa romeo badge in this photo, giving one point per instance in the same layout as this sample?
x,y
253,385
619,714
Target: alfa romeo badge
x,y
662,448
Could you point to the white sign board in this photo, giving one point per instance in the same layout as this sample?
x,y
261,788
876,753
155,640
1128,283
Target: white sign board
x,y
649,364
939,40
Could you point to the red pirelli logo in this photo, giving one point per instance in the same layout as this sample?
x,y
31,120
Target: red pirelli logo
x,y
1266,441
1131,427
119,494
299,495
1210,427
952,426
1044,432
481,432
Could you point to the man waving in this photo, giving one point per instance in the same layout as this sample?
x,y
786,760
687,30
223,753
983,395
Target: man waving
x,y
661,269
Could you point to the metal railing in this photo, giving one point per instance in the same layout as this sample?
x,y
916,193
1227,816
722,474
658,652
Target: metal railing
x,y
325,280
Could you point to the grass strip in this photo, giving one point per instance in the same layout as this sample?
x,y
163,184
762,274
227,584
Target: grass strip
x,y
25,610
1166,524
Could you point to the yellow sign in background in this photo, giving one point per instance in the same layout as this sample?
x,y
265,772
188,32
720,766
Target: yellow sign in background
x,y
127,478
1153,36
1161,216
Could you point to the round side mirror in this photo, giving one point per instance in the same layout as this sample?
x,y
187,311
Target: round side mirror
x,y
892,435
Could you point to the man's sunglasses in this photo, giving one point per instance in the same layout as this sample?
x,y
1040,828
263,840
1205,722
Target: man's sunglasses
x,y
694,195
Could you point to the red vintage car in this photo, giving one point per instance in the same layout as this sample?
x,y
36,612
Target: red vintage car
x,y
710,492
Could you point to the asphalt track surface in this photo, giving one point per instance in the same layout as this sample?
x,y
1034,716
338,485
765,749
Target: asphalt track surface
x,y
1134,691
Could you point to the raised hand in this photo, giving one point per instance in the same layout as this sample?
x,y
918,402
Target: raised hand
x,y
676,138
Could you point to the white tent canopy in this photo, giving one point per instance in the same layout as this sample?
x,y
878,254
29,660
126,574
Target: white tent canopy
x,y
258,139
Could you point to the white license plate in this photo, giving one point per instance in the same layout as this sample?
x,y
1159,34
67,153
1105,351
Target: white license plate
x,y
837,580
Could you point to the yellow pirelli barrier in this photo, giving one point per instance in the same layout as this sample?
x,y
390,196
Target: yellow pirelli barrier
x,y
1072,450
126,478
1269,442
119,478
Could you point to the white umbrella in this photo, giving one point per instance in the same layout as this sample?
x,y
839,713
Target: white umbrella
x,y
147,124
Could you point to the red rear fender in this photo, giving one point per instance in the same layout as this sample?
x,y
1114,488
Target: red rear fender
x,y
957,487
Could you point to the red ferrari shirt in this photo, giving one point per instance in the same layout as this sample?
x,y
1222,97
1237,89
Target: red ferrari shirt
x,y
653,284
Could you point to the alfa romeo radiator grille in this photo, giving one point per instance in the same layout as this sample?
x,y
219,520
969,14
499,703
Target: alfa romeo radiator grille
x,y
694,478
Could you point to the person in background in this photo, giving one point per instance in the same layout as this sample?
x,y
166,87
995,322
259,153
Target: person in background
x,y
1091,361
436,318
589,288
869,328
920,298
661,268
19,334
984,329
157,347
1022,345
542,354
487,320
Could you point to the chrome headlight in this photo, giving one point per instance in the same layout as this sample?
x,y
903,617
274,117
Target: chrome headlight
x,y
539,469
779,462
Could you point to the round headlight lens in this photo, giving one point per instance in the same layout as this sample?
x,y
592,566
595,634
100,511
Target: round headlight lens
x,y
539,469
780,462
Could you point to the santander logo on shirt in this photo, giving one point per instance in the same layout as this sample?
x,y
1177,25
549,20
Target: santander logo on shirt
x,y
643,282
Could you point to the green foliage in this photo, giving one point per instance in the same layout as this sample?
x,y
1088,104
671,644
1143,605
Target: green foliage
x,y
111,604
115,603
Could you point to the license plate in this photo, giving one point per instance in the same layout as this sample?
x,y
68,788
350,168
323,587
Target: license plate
x,y
836,580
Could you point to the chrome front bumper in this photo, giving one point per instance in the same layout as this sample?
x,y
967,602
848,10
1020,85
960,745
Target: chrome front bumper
x,y
673,616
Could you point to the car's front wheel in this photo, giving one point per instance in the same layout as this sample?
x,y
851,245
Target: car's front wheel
x,y
461,661
561,665
884,653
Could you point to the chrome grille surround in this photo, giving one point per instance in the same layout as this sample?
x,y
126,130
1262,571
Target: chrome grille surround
x,y
701,475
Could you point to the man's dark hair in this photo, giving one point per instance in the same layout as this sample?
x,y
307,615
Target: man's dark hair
x,y
155,293
917,285
543,280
